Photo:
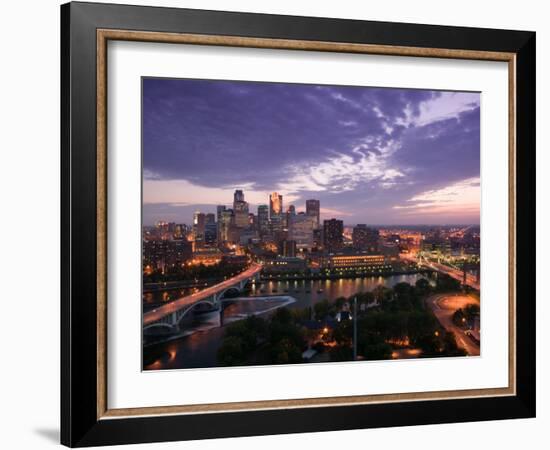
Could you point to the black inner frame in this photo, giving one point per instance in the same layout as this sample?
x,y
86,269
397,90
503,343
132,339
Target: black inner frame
x,y
79,423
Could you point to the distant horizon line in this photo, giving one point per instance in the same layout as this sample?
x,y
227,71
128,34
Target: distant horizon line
x,y
380,225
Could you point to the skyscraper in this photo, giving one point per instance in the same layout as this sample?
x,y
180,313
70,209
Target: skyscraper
x,y
210,230
365,238
238,196
290,213
300,230
240,208
313,208
263,219
333,231
275,204
276,212
225,224
199,223
219,210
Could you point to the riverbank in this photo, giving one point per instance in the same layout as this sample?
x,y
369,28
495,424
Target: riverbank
x,y
199,349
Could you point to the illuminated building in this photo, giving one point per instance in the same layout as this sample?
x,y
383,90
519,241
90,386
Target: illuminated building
x,y
199,225
263,219
313,208
219,211
318,238
285,265
290,213
276,212
333,230
300,230
210,230
390,250
354,262
436,247
240,210
275,204
238,196
207,256
180,231
225,224
365,238
160,254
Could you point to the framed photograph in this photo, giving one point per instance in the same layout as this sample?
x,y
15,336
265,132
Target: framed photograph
x,y
276,224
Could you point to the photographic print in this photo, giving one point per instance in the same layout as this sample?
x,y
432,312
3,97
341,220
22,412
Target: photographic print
x,y
297,223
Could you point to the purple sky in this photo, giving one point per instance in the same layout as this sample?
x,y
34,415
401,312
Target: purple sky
x,y
370,155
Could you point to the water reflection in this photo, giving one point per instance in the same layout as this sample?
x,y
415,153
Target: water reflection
x,y
204,332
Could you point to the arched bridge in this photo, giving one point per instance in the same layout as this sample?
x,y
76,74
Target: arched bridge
x,y
169,316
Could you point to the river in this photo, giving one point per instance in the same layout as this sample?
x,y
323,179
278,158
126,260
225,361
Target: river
x,y
204,336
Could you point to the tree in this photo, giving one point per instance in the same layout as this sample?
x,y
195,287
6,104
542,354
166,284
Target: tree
x,y
446,283
422,286
341,353
321,309
377,351
451,347
286,352
231,352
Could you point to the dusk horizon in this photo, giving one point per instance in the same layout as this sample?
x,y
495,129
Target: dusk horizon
x,y
369,155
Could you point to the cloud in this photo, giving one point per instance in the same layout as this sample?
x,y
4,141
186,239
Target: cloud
x,y
342,172
359,150
184,193
447,105
460,198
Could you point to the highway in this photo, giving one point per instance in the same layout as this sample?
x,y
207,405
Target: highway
x,y
162,311
454,273
443,307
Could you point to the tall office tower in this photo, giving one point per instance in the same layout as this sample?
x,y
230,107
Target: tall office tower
x,y
219,210
252,221
365,238
333,234
313,208
275,204
300,230
318,239
199,225
263,219
276,212
240,208
238,196
290,212
210,230
225,224
179,232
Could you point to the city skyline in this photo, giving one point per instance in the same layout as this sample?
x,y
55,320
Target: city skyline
x,y
370,155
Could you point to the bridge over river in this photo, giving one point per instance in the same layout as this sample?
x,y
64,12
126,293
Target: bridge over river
x,y
169,316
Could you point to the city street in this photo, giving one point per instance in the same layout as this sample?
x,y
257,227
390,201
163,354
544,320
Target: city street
x,y
443,306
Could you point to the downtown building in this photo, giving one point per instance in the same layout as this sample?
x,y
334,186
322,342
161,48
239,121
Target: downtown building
x,y
333,235
365,238
240,209
276,216
353,262
300,230
313,209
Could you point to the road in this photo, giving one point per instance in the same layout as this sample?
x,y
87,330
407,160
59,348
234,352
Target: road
x,y
164,310
454,273
444,306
